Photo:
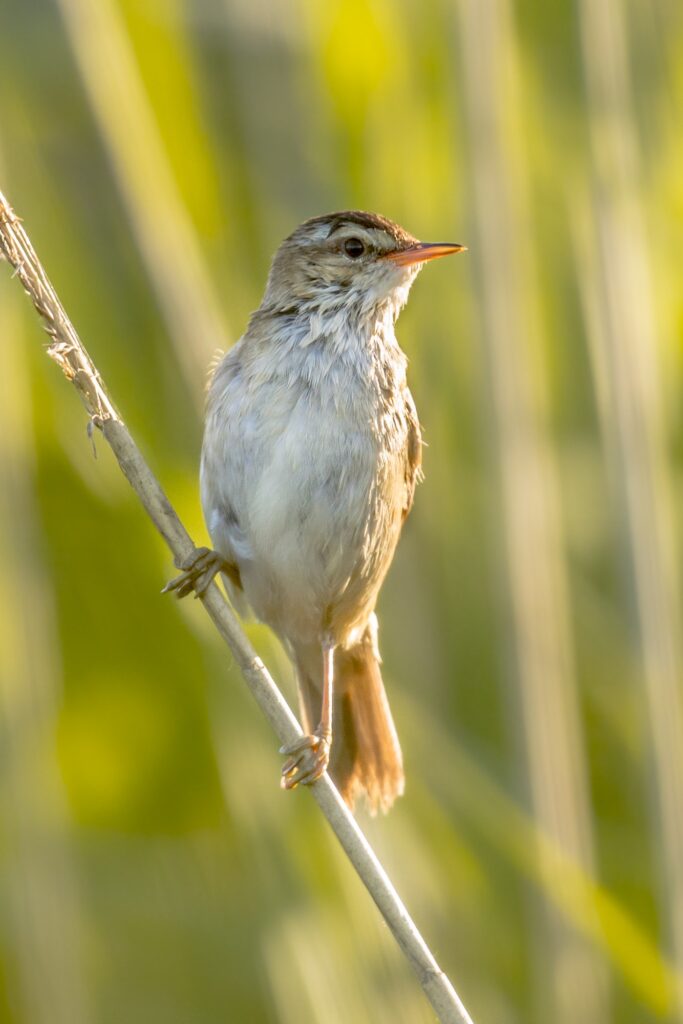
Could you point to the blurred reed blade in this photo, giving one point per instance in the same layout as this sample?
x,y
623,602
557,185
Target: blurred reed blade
x,y
571,982
625,345
41,922
458,781
157,215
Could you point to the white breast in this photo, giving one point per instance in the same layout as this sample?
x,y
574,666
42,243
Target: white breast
x,y
291,467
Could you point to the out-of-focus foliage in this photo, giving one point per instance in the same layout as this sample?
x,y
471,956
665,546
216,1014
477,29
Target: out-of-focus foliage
x,y
158,150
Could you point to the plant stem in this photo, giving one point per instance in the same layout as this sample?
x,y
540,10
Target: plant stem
x,y
68,352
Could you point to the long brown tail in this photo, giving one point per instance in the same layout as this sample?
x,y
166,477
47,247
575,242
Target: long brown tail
x,y
366,756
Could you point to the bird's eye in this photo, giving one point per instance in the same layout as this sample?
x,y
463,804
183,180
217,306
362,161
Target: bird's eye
x,y
354,248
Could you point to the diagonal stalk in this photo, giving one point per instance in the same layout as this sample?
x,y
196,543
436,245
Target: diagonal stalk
x,y
68,352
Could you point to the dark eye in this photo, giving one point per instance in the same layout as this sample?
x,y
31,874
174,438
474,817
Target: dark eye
x,y
354,248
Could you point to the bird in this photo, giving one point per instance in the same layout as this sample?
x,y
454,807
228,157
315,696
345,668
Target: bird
x,y
311,454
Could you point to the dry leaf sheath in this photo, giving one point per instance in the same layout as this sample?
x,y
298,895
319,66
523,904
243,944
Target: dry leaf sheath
x,y
67,350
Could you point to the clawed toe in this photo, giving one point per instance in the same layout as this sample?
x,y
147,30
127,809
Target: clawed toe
x,y
308,759
199,570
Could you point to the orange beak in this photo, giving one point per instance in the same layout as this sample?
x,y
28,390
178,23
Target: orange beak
x,y
422,251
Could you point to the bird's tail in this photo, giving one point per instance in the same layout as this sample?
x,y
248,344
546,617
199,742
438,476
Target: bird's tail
x,y
366,757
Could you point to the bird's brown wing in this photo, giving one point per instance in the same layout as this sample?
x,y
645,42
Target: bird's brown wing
x,y
413,462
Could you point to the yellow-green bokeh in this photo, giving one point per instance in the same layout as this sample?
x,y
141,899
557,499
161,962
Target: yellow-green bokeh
x,y
151,869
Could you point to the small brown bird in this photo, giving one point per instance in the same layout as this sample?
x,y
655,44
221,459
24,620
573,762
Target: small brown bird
x,y
311,455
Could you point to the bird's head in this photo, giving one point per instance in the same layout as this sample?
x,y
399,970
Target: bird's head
x,y
353,259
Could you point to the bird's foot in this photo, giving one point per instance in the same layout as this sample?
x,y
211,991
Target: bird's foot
x,y
307,759
199,569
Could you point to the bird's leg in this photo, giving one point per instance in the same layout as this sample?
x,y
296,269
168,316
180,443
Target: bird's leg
x,y
309,756
199,569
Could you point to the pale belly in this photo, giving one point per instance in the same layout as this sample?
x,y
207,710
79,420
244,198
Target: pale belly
x,y
314,516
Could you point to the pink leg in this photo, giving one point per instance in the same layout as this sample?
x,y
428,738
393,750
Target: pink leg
x,y
325,726
309,756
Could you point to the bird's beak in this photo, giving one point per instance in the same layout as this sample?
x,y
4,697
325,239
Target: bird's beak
x,y
422,251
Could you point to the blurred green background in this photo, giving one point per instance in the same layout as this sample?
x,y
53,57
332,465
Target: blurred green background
x,y
158,151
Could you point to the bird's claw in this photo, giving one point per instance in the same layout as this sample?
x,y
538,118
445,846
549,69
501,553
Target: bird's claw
x,y
307,759
199,570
